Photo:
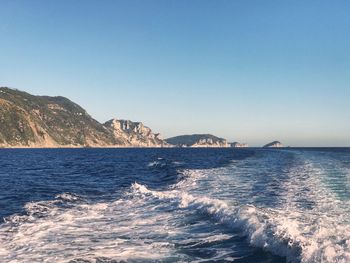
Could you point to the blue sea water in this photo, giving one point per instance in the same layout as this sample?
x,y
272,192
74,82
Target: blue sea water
x,y
175,205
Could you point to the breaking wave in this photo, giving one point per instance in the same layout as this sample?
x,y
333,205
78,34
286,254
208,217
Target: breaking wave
x,y
269,229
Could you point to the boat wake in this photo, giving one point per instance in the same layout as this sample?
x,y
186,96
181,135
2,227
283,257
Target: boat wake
x,y
163,225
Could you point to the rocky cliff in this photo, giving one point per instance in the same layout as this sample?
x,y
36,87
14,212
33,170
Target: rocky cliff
x,y
238,145
197,140
42,121
134,134
274,144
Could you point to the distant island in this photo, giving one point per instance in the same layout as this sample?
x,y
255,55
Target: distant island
x,y
52,122
274,144
197,140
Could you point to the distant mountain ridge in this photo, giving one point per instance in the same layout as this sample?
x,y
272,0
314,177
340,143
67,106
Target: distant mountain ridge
x,y
197,140
42,121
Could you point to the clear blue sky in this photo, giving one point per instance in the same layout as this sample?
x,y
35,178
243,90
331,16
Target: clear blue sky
x,y
247,70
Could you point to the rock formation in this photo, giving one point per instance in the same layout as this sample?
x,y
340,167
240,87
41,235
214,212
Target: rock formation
x,y
197,140
274,144
134,134
238,145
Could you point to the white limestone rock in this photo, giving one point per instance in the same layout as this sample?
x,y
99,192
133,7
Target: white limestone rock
x,y
134,134
238,145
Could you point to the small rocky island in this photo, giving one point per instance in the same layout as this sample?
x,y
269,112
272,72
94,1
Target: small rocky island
x,y
274,144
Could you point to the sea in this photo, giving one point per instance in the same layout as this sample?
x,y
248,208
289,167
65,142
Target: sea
x,y
175,205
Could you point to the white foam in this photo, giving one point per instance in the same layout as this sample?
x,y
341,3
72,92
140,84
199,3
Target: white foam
x,y
69,197
262,230
50,233
270,229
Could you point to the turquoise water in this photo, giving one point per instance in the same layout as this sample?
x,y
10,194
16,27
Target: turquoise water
x,y
175,205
